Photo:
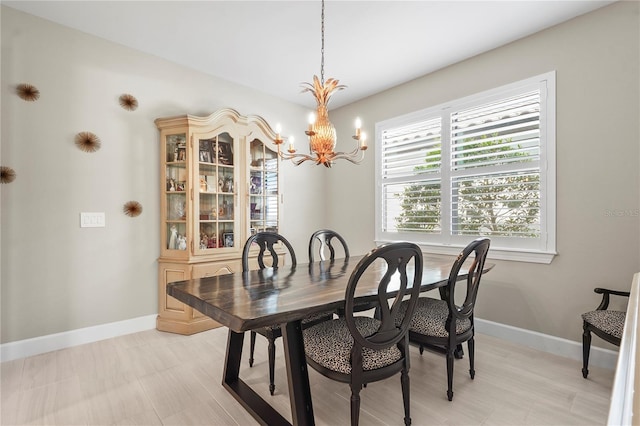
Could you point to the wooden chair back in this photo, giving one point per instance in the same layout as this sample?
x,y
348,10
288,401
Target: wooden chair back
x,y
404,276
266,242
321,241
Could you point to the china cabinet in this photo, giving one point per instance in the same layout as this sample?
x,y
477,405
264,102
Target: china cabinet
x,y
219,185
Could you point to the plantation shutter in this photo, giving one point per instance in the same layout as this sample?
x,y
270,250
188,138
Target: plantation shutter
x,y
482,165
411,174
495,168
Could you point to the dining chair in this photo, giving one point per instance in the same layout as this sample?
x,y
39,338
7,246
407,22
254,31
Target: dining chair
x,y
266,241
440,324
321,241
362,349
604,323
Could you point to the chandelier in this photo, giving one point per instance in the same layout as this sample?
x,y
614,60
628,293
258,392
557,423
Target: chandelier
x,y
321,133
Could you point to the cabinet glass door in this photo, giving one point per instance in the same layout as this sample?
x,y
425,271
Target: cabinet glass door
x,y
263,188
215,201
175,192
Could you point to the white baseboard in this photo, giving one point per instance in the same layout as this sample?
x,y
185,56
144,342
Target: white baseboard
x,y
52,342
13,350
598,357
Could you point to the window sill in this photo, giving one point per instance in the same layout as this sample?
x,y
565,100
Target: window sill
x,y
530,256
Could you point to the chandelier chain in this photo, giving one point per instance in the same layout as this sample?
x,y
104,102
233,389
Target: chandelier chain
x,y
322,46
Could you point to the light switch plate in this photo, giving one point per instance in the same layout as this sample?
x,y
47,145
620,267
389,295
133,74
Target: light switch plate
x,y
92,220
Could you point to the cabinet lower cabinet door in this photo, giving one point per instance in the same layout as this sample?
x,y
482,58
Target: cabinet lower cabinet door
x,y
173,315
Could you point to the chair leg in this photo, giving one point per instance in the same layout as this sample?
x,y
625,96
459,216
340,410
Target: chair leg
x,y
272,365
586,347
253,347
471,345
450,373
406,397
459,352
355,404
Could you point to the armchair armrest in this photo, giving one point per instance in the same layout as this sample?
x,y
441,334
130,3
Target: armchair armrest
x,y
606,294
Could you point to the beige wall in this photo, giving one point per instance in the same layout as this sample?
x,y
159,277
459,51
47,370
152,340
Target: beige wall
x,y
56,276
596,57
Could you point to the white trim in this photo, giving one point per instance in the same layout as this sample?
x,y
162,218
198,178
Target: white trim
x,y
625,402
497,253
38,345
599,357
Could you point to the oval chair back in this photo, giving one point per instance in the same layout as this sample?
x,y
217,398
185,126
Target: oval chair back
x,y
321,241
480,248
266,242
402,261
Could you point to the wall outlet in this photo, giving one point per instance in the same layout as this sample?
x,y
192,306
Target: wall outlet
x,y
92,220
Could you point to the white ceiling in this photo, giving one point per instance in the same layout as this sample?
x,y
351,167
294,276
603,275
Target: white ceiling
x,y
273,46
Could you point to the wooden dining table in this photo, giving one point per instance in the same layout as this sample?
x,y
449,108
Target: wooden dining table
x,y
243,301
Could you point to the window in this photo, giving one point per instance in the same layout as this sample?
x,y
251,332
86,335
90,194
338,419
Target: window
x,y
479,166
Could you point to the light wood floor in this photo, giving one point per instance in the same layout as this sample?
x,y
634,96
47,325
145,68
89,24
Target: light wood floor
x,y
155,378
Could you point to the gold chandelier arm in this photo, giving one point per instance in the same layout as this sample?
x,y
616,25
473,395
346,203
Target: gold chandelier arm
x,y
302,159
296,159
351,156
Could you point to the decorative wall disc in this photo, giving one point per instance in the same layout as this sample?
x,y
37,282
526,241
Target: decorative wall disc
x,y
132,208
28,92
88,142
128,102
7,174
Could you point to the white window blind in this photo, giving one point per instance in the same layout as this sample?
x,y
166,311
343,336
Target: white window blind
x,y
473,167
495,168
411,170
271,191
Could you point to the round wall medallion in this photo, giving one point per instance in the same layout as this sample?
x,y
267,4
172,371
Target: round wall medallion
x,y
128,102
7,174
28,92
132,208
88,142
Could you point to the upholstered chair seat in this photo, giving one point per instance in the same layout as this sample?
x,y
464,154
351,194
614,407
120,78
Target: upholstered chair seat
x,y
329,344
430,318
611,322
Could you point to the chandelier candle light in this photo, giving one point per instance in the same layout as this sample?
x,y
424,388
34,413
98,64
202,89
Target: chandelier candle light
x,y
321,133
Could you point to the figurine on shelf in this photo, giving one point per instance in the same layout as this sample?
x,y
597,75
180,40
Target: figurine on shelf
x,y
182,242
180,210
182,151
224,210
213,243
173,239
256,185
172,185
204,241
228,184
